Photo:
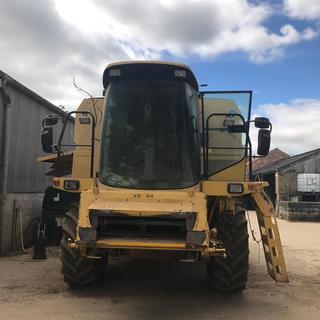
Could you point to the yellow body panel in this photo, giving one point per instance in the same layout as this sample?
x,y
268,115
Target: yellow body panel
x,y
82,135
220,188
141,245
85,184
145,203
52,157
236,172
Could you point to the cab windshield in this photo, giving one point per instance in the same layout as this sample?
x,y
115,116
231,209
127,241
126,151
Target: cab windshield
x,y
150,136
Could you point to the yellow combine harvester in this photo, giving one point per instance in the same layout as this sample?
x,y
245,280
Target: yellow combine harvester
x,y
160,167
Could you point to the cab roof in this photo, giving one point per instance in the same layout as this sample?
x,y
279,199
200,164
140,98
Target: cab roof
x,y
153,70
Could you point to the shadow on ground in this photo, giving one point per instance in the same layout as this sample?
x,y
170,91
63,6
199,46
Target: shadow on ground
x,y
170,290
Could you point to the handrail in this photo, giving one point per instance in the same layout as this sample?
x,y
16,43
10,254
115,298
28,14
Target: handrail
x,y
206,147
93,126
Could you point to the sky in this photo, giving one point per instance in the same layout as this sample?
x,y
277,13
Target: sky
x,y
270,47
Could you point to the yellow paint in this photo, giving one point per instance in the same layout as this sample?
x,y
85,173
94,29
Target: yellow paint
x,y
82,135
145,203
270,236
236,172
52,157
142,245
220,188
85,184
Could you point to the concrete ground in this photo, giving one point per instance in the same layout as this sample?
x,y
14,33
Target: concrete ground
x,y
165,290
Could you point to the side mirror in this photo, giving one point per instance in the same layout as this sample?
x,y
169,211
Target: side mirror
x,y
47,139
50,121
238,128
264,139
261,123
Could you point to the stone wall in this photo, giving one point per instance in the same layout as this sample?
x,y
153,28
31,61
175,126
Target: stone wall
x,y
299,211
30,205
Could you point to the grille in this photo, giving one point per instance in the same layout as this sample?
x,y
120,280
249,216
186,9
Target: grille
x,y
150,227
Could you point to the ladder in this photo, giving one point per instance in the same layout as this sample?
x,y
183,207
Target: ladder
x,y
270,235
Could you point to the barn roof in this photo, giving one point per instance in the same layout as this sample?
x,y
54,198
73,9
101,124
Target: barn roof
x,y
273,156
286,162
20,87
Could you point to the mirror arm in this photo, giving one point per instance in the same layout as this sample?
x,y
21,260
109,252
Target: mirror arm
x,y
250,157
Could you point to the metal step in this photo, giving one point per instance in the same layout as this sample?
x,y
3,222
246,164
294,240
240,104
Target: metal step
x,y
270,236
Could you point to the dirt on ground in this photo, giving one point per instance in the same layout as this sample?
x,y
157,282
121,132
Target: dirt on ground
x,y
135,289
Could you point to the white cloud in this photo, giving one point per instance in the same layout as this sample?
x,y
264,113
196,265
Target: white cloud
x,y
295,124
44,44
41,51
303,9
184,27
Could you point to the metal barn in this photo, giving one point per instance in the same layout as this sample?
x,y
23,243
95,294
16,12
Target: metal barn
x,y
294,185
22,179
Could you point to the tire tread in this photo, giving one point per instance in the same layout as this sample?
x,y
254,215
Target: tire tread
x,y
77,271
230,274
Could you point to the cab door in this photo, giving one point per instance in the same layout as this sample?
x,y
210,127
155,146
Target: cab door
x,y
224,118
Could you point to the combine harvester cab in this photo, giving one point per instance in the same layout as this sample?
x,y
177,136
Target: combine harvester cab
x,y
160,167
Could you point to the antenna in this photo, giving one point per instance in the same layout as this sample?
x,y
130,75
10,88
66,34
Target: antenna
x,y
90,95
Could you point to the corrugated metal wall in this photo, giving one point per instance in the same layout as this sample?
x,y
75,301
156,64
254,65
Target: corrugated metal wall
x,y
25,173
288,175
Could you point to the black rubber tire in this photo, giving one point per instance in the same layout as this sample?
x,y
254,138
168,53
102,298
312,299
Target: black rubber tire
x,y
52,209
230,274
78,271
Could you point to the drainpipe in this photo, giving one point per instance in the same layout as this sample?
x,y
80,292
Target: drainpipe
x,y
4,151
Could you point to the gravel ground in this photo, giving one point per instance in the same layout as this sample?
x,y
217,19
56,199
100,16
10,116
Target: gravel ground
x,y
137,289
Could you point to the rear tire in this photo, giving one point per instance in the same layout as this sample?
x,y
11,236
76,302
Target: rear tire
x,y
78,271
230,274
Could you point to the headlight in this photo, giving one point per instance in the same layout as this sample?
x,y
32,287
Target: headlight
x,y
71,184
235,188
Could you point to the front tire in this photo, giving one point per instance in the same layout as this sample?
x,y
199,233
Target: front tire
x,y
78,271
230,274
